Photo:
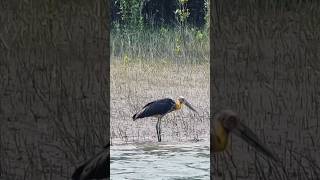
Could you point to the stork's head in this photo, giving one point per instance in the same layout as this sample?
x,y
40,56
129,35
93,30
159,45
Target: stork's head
x,y
181,100
229,121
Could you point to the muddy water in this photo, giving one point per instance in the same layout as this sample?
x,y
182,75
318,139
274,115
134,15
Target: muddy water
x,y
187,160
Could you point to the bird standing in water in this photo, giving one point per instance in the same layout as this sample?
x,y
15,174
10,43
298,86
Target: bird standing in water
x,y
160,108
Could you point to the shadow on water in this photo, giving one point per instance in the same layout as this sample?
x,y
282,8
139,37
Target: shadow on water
x,y
165,160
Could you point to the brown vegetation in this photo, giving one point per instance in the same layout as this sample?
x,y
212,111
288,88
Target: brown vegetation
x,y
134,85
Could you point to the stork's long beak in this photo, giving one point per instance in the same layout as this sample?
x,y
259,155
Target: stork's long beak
x,y
189,106
248,136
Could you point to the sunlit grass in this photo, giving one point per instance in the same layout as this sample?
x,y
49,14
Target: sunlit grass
x,y
164,44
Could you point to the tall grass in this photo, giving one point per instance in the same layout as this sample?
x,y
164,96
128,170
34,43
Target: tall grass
x,y
163,44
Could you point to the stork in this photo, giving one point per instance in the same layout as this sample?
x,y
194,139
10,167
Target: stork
x,y
160,108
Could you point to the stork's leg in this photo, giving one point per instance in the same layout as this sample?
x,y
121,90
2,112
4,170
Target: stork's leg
x,y
158,127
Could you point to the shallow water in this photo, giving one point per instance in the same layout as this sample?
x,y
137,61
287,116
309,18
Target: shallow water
x,y
165,160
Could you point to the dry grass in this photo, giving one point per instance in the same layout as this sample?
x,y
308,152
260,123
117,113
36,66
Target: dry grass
x,y
161,45
135,84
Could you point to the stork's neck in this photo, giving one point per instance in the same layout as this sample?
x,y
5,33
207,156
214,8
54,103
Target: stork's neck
x,y
178,105
220,138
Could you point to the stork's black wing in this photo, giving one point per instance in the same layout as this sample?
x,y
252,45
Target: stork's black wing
x,y
158,107
95,168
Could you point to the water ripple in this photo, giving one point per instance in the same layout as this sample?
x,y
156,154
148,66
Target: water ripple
x,y
187,160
